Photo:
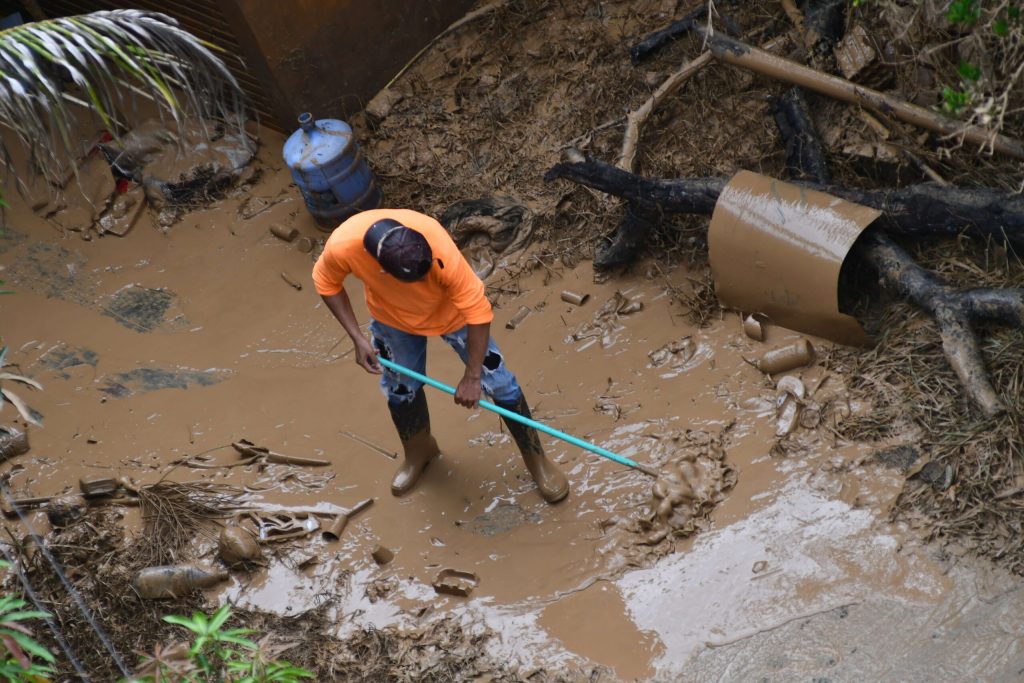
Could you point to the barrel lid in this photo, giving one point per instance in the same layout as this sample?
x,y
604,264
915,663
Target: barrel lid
x,y
324,144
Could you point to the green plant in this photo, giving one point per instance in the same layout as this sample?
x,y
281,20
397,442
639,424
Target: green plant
x,y
955,101
966,12
102,62
216,656
5,291
27,412
21,649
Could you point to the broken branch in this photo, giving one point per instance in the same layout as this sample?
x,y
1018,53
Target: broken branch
x,y
734,52
918,211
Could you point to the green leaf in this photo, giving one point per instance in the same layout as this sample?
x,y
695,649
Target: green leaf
x,y
182,621
968,71
243,642
1000,28
219,617
28,644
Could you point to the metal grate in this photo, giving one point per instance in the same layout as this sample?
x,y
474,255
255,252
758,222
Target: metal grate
x,y
202,18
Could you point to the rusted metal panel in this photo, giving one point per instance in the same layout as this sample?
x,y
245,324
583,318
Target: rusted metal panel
x,y
330,57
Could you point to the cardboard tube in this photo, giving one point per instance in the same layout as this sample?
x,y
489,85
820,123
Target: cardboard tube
x,y
752,326
518,318
284,232
789,357
574,298
382,555
332,530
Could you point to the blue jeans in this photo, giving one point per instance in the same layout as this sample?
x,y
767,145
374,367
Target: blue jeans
x,y
410,350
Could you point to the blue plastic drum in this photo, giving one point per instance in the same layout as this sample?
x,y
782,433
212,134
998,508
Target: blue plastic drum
x,y
330,170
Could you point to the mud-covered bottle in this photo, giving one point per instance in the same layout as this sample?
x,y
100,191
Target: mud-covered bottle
x,y
154,583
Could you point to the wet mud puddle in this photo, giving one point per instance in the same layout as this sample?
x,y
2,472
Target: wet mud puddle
x,y
154,365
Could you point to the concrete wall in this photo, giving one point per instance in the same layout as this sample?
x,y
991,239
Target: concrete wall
x,y
330,57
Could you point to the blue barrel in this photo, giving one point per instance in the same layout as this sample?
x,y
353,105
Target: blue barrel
x,y
330,170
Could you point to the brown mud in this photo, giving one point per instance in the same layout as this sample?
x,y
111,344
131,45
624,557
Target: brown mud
x,y
161,349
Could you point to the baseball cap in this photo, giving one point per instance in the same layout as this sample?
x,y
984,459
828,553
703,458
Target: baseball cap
x,y
401,251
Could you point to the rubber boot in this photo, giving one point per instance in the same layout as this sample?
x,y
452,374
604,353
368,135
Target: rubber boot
x,y
412,420
550,480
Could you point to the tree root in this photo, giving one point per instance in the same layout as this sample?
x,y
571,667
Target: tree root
x,y
955,312
917,211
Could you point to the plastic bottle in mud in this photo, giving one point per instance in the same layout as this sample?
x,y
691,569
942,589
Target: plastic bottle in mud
x,y
154,583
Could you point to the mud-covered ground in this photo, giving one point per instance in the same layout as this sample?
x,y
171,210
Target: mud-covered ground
x,y
158,350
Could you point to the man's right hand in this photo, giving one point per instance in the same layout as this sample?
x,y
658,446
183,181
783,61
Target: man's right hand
x,y
366,357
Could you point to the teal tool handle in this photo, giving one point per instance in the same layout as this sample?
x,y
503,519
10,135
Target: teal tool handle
x,y
603,452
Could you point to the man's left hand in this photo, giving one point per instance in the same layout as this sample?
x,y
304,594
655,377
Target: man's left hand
x,y
468,392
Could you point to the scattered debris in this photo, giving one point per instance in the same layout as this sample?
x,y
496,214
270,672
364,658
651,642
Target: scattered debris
x,y
574,298
784,358
518,318
791,392
179,171
95,487
382,555
171,582
284,232
854,52
333,529
65,510
273,527
488,230
455,582
237,545
247,449
13,442
123,212
675,354
291,281
753,328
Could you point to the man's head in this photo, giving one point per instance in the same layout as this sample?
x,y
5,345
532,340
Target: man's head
x,y
401,251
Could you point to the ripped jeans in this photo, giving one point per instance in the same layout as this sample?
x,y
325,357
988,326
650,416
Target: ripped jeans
x,y
410,350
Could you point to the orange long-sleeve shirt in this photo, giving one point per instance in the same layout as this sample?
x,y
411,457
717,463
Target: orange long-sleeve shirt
x,y
448,298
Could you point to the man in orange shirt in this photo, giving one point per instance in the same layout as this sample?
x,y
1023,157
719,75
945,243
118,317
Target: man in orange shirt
x,y
418,284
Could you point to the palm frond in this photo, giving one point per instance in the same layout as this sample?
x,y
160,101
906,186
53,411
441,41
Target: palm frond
x,y
106,60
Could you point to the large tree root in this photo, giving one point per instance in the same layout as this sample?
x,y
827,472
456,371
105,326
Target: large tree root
x,y
955,312
918,211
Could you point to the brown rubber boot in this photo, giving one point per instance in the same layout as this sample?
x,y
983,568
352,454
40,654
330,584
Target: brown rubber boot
x,y
551,482
412,420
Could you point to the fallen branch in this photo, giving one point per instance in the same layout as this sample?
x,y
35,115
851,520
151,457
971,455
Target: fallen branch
x,y
636,119
734,52
470,17
918,211
955,312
